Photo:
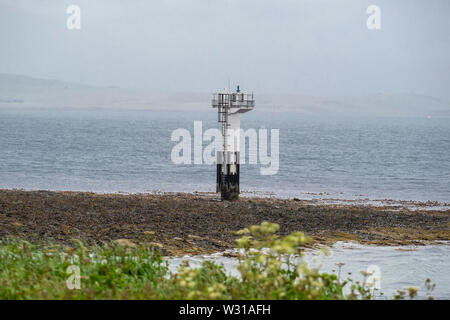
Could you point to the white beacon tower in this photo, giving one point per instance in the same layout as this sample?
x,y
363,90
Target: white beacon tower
x,y
229,106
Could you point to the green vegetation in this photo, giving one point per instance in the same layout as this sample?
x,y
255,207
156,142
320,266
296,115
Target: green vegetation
x,y
270,267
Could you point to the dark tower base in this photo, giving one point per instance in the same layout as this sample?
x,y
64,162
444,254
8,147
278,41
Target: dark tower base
x,y
228,184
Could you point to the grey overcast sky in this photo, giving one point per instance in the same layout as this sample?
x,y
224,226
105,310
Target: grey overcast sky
x,y
313,47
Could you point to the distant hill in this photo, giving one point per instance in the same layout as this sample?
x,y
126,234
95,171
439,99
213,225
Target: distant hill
x,y
376,104
32,92
23,91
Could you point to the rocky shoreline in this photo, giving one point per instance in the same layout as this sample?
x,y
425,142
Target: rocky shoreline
x,y
201,223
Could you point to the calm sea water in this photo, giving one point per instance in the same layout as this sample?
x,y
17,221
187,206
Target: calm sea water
x,y
399,267
129,151
341,157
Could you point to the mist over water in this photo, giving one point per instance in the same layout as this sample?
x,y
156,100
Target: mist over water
x,y
343,156
366,112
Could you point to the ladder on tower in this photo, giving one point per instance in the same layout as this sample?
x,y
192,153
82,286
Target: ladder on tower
x,y
222,114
